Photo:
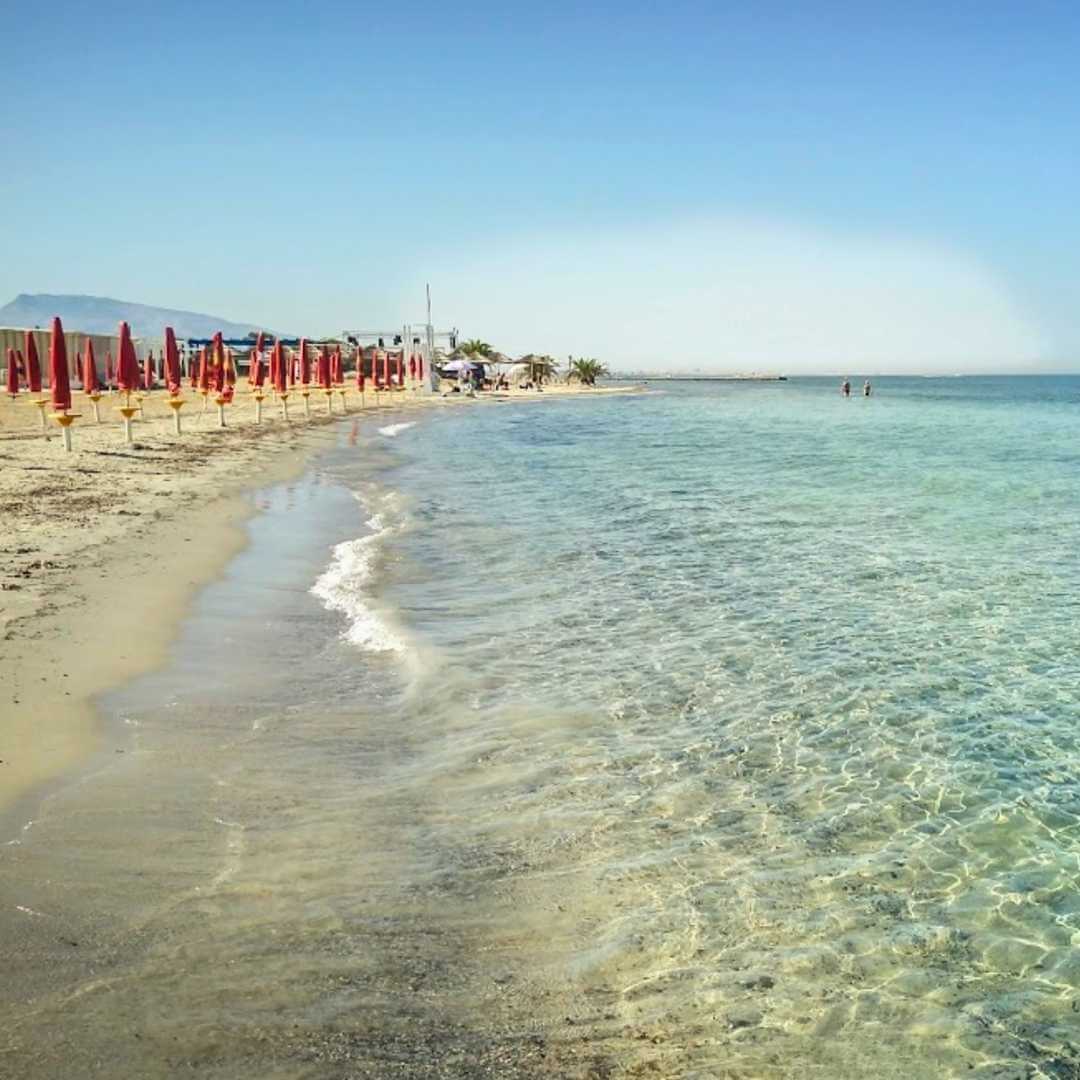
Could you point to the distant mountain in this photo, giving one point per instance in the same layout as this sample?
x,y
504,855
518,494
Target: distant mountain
x,y
100,315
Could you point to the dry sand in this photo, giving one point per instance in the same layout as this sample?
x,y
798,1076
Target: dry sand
x,y
101,549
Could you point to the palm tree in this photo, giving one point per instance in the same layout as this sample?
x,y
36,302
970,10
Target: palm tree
x,y
586,370
475,347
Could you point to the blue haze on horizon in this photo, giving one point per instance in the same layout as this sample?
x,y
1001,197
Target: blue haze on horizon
x,y
795,187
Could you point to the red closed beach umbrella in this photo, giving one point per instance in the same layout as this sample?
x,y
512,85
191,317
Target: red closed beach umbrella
x,y
412,366
277,368
305,365
324,374
420,365
255,370
12,374
89,370
386,369
360,369
204,372
172,362
217,363
33,364
127,365
59,376
230,376
400,363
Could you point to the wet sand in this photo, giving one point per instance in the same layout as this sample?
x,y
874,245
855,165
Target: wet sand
x,y
102,548
259,878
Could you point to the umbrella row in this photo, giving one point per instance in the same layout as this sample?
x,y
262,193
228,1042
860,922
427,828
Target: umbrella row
x,y
215,372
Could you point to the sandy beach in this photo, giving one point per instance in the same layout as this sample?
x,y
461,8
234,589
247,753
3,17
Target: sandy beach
x,y
103,547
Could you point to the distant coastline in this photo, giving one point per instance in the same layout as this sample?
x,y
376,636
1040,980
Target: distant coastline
x,y
643,377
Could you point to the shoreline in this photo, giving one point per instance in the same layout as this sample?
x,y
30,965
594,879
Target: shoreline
x,y
150,523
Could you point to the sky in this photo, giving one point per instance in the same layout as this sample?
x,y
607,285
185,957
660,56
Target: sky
x,y
799,187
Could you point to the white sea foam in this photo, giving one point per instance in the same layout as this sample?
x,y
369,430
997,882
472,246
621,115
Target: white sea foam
x,y
343,587
394,429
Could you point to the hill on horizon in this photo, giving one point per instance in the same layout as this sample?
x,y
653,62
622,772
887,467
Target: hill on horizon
x,y
102,315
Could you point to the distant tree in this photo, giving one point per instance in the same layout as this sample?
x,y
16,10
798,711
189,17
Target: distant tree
x,y
475,347
586,370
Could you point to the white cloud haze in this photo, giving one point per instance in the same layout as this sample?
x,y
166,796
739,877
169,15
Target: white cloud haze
x,y
741,295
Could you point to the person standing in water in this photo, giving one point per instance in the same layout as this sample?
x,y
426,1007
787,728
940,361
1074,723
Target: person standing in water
x,y
845,388
866,388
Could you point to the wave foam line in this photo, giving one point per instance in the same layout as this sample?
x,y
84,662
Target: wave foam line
x,y
342,587
393,429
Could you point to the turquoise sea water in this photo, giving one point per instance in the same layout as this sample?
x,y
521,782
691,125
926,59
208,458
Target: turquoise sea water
x,y
723,731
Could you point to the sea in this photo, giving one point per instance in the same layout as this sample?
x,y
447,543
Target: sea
x,y
721,730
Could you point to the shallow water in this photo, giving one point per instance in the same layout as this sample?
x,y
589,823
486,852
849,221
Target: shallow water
x,y
728,731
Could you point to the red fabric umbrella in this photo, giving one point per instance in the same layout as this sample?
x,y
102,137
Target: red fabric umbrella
x,y
305,366
127,365
255,370
89,371
412,366
360,370
172,362
12,374
33,365
230,376
148,371
59,376
277,368
420,365
400,368
386,369
204,372
217,364
323,367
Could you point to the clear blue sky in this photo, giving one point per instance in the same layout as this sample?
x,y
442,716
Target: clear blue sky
x,y
715,185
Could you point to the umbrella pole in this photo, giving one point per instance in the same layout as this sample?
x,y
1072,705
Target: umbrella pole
x,y
329,402
65,420
127,412
258,408
94,399
306,395
344,405
176,404
41,403
285,407
220,402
